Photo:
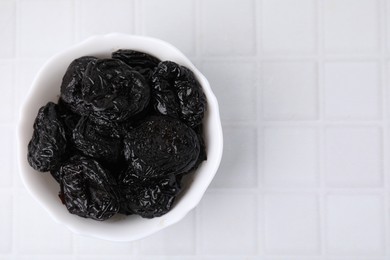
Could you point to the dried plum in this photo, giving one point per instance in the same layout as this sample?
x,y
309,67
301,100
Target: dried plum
x,y
139,61
113,91
87,189
147,197
124,133
177,93
97,141
47,146
161,146
71,84
68,118
202,154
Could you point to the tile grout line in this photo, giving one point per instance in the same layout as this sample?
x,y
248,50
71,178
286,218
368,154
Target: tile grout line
x,y
288,57
12,61
16,83
260,228
305,123
385,129
321,134
16,63
13,224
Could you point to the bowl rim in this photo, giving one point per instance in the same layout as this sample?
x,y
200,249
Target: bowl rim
x,y
170,218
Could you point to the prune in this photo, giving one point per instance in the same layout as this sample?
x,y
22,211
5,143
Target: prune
x,y
124,134
87,189
68,118
113,91
177,93
47,146
71,84
139,61
161,146
97,141
147,197
202,154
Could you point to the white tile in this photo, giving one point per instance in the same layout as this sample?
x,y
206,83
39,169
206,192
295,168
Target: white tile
x,y
228,224
227,27
100,17
26,71
178,239
353,156
288,27
6,222
160,257
352,90
354,225
289,90
356,258
7,97
161,18
97,257
41,257
323,258
93,246
45,27
351,25
290,156
238,165
295,258
36,232
291,224
229,258
7,28
234,86
7,156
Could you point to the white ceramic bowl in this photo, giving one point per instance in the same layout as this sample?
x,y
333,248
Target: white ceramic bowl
x,y
46,87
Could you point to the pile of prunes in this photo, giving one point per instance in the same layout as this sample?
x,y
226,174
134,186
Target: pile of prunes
x,y
122,135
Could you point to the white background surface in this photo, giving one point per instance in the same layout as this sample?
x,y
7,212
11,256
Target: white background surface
x,y
303,87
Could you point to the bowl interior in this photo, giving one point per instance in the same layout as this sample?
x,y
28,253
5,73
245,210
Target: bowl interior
x,y
46,87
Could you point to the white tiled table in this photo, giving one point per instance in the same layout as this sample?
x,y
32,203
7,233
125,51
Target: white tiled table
x,y
303,87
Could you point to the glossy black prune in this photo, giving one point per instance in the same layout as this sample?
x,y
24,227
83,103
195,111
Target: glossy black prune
x,y
68,118
71,84
113,91
48,144
124,134
87,189
160,146
177,93
100,141
202,154
139,61
147,197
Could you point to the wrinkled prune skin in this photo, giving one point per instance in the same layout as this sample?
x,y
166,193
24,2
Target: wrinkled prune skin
x,y
160,146
71,84
177,93
98,141
202,153
48,144
125,132
87,189
147,197
113,91
139,61
68,118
